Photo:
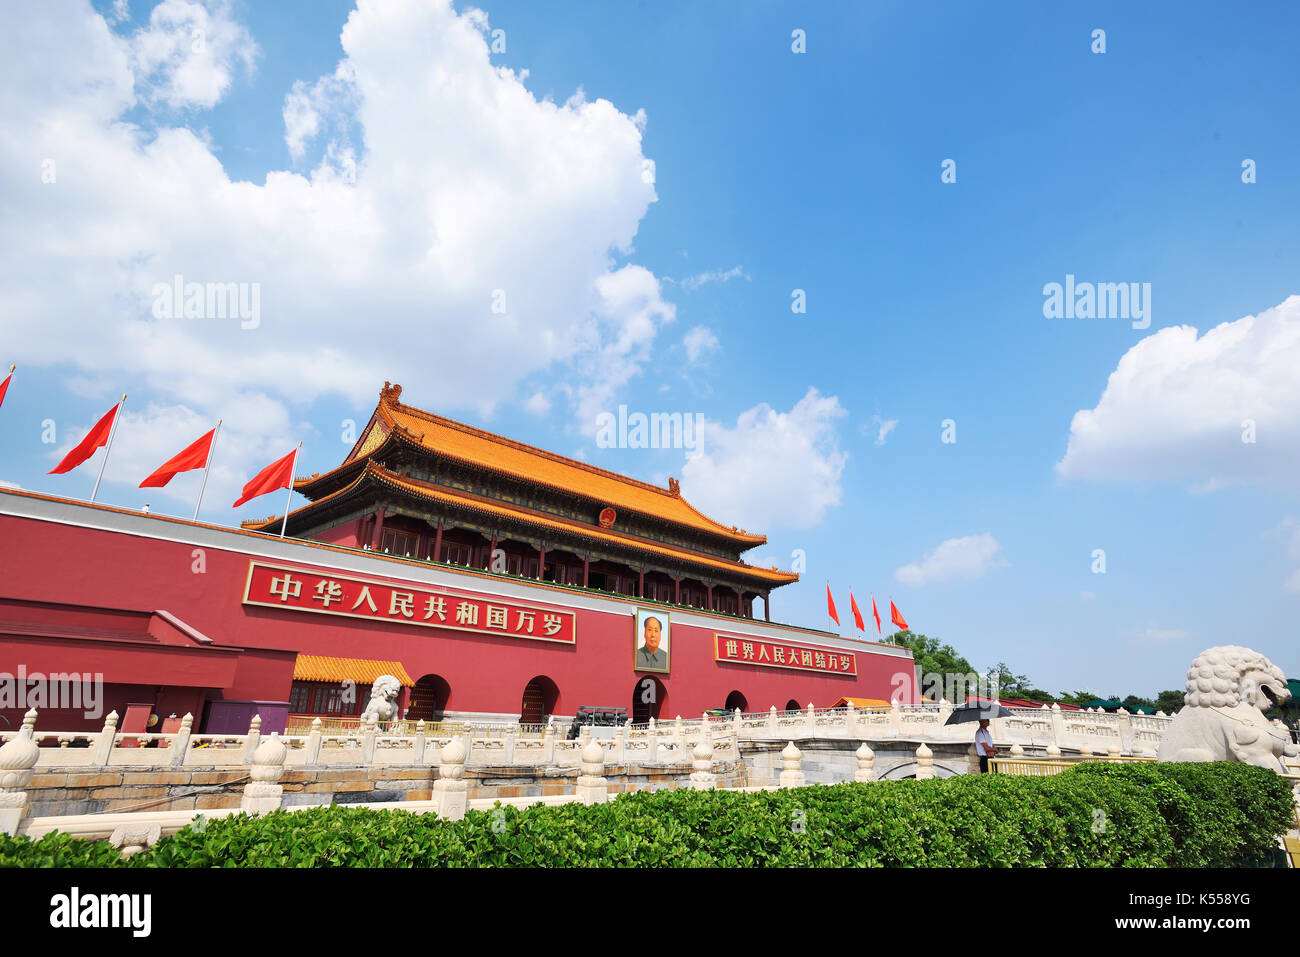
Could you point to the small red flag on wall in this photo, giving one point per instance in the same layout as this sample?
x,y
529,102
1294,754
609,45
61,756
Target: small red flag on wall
x,y
86,447
4,386
857,615
274,476
830,604
875,612
896,616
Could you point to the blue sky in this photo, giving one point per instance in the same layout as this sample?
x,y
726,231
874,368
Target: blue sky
x,y
772,171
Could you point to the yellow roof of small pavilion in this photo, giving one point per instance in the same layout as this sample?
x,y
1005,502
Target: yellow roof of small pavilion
x,y
360,670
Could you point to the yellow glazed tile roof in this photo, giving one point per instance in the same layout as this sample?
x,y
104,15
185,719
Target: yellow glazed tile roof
x,y
466,443
492,507
363,671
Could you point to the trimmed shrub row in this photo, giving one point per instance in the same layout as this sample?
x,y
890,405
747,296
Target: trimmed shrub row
x,y
1093,815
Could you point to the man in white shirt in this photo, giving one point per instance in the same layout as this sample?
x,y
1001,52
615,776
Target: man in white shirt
x,y
984,746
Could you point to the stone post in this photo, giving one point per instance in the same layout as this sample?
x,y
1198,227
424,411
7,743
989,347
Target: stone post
x,y
450,792
924,763
18,760
548,745
972,760
652,743
771,718
679,736
620,744
181,743
812,720
592,786
1058,727
369,732
417,749
510,746
866,764
1124,724
263,792
313,743
736,722
102,752
702,777
1053,750
1085,750
851,720
896,718
1113,751
945,709
791,776
252,739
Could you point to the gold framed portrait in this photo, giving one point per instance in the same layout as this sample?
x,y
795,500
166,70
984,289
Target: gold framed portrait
x,y
651,641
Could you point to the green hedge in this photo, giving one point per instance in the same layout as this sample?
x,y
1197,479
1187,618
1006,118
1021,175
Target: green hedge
x,y
1094,815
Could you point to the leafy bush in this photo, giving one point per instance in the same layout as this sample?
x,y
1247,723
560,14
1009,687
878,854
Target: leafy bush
x,y
1094,815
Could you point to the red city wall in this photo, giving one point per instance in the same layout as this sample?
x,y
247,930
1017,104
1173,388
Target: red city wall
x,y
75,565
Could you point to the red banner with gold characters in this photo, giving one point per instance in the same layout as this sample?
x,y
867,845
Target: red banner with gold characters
x,y
783,654
297,589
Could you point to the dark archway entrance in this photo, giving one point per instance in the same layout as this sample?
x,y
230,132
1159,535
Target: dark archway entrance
x,y
648,699
792,705
538,702
429,699
737,700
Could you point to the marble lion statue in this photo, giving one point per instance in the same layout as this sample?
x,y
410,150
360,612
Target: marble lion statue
x,y
1228,690
383,699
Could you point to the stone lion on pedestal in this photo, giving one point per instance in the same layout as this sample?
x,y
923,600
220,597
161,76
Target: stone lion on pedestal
x,y
1228,689
383,699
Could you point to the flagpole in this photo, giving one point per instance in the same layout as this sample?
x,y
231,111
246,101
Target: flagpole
x,y
206,467
292,469
108,448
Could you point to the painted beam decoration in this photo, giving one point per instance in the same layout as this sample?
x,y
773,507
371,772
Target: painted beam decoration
x,y
748,650
322,593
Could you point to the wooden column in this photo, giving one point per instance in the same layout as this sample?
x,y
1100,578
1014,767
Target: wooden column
x,y
710,596
586,569
377,535
767,606
677,591
492,547
640,586
437,543
740,602
541,562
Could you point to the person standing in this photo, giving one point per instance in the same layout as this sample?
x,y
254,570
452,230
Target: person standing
x,y
984,746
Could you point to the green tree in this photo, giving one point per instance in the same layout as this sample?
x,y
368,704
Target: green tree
x,y
1170,701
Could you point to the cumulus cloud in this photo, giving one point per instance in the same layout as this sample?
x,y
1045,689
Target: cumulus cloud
x,y
957,559
772,469
1164,634
699,342
1213,410
189,53
480,232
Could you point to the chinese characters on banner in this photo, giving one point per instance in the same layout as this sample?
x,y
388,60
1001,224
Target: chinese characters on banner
x,y
783,654
272,586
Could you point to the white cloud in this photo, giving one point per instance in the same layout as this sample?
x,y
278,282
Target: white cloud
x,y
957,559
1292,583
370,268
772,469
691,283
699,342
883,428
1289,532
188,54
1178,406
537,403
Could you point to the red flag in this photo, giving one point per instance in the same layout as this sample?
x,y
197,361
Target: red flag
x,y
86,448
875,612
4,386
857,615
896,616
830,604
193,456
274,476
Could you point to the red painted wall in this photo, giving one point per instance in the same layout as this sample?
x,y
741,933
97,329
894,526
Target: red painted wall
x,y
117,570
